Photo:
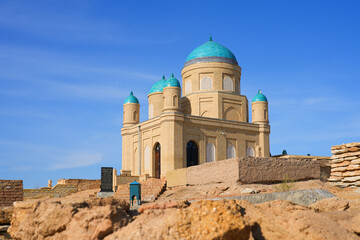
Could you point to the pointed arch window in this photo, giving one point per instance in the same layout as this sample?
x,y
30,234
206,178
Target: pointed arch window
x,y
210,152
231,152
147,157
187,86
228,84
250,152
151,110
206,83
174,101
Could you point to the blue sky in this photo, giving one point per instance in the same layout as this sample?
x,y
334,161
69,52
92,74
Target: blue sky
x,y
67,66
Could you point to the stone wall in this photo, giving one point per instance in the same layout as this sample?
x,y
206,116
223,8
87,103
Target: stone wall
x,y
271,170
10,192
246,170
345,165
214,172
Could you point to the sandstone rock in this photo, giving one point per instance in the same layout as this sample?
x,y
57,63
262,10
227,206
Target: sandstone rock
x,y
248,191
339,151
103,229
351,179
353,167
354,149
282,220
351,173
67,219
335,179
356,184
337,174
336,147
202,220
341,164
4,228
354,144
162,205
348,154
341,184
350,158
348,219
217,191
5,215
355,161
340,160
330,205
338,169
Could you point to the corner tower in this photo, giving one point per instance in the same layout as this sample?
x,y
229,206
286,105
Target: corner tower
x,y
172,93
131,110
260,112
155,98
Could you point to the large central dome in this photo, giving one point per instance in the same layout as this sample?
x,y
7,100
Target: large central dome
x,y
211,52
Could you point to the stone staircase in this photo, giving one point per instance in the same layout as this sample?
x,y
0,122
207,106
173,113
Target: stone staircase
x,y
151,189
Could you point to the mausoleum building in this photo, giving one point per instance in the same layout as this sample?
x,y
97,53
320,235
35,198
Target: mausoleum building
x,y
205,120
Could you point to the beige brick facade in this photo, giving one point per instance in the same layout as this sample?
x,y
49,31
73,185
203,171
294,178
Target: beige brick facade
x,y
210,122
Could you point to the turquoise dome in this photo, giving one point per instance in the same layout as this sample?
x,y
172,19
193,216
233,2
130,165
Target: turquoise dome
x,y
131,99
211,52
158,86
259,97
172,82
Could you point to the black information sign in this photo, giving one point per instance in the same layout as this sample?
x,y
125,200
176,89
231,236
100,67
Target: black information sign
x,y
106,179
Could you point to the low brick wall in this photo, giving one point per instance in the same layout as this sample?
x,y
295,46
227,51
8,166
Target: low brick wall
x,y
345,165
246,170
121,179
82,184
10,192
60,190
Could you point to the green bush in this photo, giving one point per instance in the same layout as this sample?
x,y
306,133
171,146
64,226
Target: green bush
x,y
285,186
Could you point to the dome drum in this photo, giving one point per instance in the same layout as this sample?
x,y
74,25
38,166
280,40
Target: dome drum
x,y
193,76
211,59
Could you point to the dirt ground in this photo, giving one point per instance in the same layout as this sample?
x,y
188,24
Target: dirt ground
x,y
198,192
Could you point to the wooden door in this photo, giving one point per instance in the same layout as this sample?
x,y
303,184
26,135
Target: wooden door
x,y
157,160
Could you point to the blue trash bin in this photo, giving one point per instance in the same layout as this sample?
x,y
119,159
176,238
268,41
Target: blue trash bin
x,y
135,191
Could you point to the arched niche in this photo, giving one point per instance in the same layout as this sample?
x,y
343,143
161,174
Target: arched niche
x,y
192,154
210,152
232,114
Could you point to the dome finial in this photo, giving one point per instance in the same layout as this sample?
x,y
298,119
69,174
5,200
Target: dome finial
x,y
172,75
259,91
210,38
163,77
131,93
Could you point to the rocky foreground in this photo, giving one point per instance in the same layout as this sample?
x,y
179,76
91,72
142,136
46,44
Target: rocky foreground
x,y
108,219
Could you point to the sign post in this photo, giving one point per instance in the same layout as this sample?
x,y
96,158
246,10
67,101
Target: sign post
x,y
106,182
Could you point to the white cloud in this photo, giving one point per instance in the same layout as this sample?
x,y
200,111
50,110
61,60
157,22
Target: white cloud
x,y
76,160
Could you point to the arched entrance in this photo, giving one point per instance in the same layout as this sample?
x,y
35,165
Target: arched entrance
x,y
192,154
157,150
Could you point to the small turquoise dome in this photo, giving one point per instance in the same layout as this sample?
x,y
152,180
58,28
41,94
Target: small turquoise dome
x,y
172,82
158,86
211,52
259,97
131,99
